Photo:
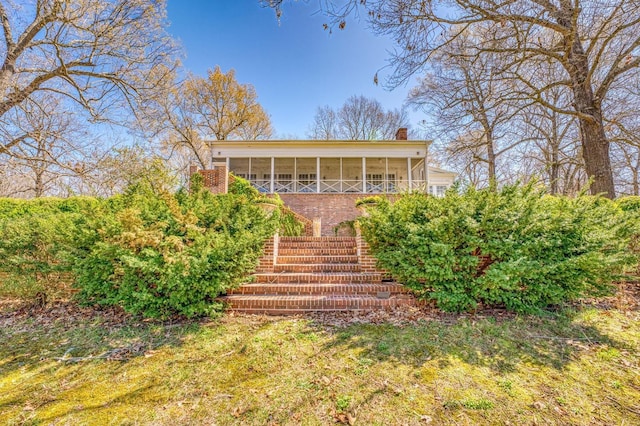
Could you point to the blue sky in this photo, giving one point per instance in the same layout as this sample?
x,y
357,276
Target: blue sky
x,y
294,65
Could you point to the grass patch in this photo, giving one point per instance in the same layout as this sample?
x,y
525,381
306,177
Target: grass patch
x,y
574,367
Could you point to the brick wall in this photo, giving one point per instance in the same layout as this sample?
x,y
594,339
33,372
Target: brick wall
x,y
368,263
216,180
332,208
267,260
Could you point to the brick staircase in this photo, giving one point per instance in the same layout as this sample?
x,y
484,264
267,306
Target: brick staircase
x,y
306,274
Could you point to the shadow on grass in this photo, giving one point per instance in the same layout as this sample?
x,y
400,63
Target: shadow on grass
x,y
70,335
500,345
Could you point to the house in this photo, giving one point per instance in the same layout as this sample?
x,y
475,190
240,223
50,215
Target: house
x,y
324,178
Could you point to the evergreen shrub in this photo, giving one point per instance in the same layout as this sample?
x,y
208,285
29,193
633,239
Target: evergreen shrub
x,y
516,247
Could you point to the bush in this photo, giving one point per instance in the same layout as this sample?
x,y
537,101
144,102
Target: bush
x,y
516,248
40,239
630,207
289,225
163,254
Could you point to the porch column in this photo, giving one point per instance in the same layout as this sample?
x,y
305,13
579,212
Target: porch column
x,y
249,171
426,167
318,175
341,188
272,183
386,174
409,172
295,174
364,175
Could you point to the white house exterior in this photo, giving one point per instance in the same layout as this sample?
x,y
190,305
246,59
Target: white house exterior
x,y
332,167
323,179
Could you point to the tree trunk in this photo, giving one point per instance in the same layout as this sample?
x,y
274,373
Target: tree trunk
x,y
39,183
595,146
554,174
491,161
595,150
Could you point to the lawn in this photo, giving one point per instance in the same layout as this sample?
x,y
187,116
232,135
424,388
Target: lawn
x,y
67,365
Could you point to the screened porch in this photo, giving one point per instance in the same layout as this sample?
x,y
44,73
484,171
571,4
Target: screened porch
x,y
331,175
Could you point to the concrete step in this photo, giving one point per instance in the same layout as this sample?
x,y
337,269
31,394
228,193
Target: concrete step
x,y
279,305
315,277
320,288
316,267
322,259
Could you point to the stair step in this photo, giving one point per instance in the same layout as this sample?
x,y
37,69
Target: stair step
x,y
317,239
294,304
322,259
317,267
315,245
318,288
311,278
317,251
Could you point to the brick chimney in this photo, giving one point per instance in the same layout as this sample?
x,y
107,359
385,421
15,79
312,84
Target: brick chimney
x,y
401,134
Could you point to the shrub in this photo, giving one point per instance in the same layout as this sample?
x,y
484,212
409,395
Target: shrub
x,y
163,254
516,247
39,240
630,207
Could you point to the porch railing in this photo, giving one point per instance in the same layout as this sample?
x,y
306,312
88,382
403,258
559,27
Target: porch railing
x,y
337,186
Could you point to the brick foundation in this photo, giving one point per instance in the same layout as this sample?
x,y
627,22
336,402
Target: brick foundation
x,y
331,208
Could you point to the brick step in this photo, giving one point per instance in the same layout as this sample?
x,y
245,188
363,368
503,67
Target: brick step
x,y
318,289
293,304
317,267
311,278
317,239
315,245
317,251
326,259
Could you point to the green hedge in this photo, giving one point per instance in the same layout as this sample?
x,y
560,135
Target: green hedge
x,y
516,248
152,252
166,254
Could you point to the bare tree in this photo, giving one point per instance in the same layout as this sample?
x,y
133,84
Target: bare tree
x,y
53,144
111,173
191,113
595,42
472,104
325,124
359,118
95,53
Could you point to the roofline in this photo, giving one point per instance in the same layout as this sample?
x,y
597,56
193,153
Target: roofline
x,y
320,142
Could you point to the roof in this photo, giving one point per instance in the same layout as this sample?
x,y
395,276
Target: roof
x,y
320,148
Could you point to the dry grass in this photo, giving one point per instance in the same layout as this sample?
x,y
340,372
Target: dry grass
x,y
66,365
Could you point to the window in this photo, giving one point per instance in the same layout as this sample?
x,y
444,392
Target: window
x,y
307,178
437,190
251,176
375,182
391,182
306,182
284,182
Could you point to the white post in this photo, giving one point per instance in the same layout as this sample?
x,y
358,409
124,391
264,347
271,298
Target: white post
x,y
364,174
295,174
318,175
341,187
272,183
426,165
409,172
249,171
226,175
386,174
